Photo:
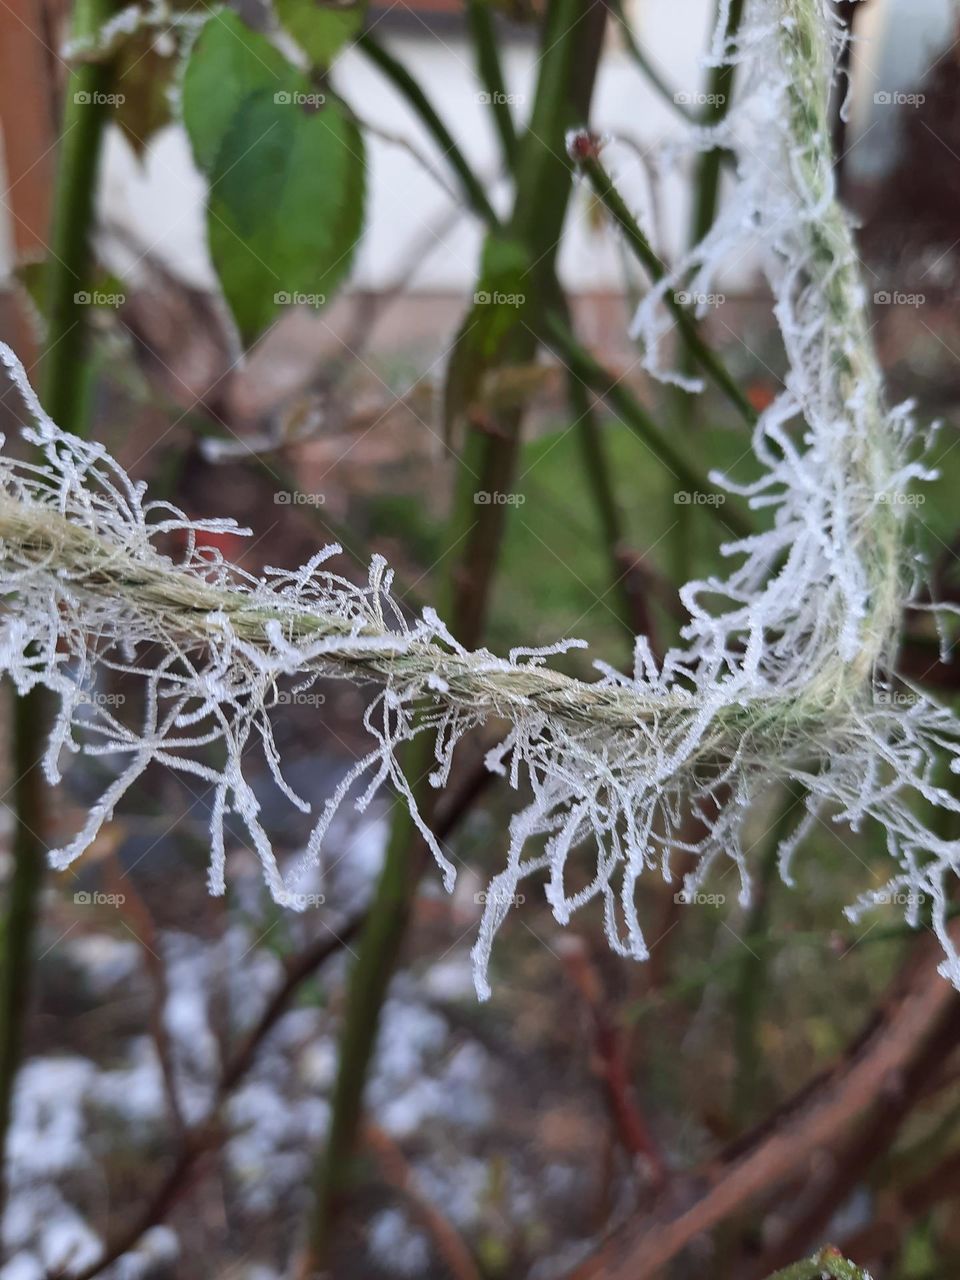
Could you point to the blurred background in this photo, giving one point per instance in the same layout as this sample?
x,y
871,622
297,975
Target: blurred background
x,y
179,1052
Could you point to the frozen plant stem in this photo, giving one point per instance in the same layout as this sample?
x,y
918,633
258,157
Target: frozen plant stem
x,y
62,389
719,92
707,186
752,983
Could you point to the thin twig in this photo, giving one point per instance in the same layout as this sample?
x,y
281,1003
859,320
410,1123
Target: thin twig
x,y
487,55
616,206
630,1125
410,89
630,411
448,1242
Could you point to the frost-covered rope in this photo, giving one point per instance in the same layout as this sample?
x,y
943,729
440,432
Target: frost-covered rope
x,y
784,670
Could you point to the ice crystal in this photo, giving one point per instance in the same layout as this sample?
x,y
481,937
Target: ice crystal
x,y
785,674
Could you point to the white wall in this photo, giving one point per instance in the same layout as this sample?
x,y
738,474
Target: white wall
x,y
897,43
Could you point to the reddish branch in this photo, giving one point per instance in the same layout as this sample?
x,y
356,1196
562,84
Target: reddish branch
x,y
447,1240
629,1124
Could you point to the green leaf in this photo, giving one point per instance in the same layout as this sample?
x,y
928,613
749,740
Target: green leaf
x,y
228,63
321,27
286,171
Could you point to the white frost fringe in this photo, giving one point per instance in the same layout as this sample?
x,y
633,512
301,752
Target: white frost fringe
x,y
784,676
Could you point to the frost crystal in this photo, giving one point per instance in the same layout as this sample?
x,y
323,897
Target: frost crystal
x,y
786,668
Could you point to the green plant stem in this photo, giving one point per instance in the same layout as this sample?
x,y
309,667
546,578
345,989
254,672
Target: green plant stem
x,y
407,86
600,483
370,976
63,363
752,981
630,608
22,904
557,334
707,184
827,1263
719,90
484,37
630,411
572,36
614,203
489,459
61,387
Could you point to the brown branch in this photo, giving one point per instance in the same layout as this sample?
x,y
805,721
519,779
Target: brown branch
x,y
856,1088
875,1136
447,1240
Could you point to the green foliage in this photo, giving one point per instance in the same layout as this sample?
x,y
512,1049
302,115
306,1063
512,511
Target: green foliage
x,y
321,27
286,171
